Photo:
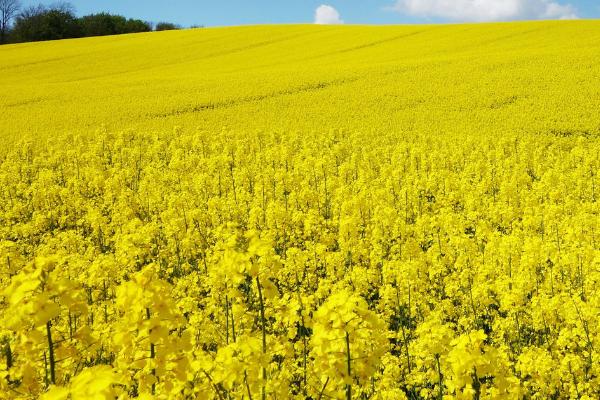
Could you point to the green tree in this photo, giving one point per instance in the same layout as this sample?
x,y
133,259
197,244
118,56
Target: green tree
x,y
46,23
166,26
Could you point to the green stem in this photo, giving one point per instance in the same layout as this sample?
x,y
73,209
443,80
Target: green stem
x,y
152,355
214,385
9,356
303,332
264,333
226,320
9,359
323,389
476,385
51,353
440,382
349,368
247,386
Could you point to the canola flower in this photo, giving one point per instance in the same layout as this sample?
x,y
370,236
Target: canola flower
x,y
374,227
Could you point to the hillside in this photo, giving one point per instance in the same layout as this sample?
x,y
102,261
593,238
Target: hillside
x,y
531,76
302,212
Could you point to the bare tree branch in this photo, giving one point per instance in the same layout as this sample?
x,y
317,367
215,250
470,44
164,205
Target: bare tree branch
x,y
8,10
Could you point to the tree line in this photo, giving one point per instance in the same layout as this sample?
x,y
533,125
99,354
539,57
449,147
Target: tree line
x,y
59,21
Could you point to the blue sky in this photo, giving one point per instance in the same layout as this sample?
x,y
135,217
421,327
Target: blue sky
x,y
238,12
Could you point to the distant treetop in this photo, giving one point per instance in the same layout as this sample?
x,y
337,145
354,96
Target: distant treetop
x,y
166,26
58,21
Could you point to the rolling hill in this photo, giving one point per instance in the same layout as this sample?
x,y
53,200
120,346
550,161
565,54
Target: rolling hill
x,y
302,212
530,76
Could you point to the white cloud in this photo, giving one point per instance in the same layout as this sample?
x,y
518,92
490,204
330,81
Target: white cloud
x,y
327,15
486,10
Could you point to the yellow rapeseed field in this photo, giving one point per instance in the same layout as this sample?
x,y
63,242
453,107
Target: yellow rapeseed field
x,y
302,212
